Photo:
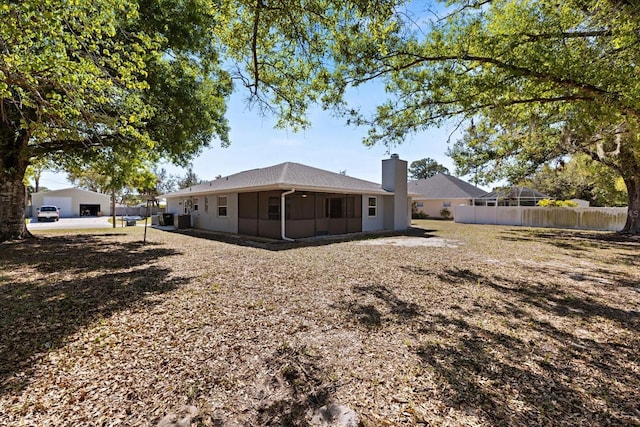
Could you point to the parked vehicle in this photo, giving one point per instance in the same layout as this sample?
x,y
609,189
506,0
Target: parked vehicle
x,y
48,213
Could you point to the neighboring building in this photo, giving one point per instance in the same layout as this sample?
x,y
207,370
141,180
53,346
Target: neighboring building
x,y
73,202
511,196
442,191
291,200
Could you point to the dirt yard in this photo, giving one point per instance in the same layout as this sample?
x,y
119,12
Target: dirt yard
x,y
458,325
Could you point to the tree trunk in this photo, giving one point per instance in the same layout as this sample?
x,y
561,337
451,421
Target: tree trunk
x,y
12,221
13,166
113,208
632,225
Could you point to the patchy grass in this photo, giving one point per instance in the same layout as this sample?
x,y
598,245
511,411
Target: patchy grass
x,y
467,325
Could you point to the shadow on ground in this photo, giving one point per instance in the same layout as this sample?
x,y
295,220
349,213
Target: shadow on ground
x,y
517,352
297,388
75,281
372,302
557,373
281,245
575,240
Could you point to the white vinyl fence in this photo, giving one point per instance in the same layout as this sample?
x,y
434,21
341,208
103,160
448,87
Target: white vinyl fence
x,y
606,219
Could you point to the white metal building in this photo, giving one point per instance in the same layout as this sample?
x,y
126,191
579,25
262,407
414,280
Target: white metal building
x,y
73,202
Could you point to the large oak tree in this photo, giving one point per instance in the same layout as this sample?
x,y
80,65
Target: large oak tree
x,y
88,82
539,78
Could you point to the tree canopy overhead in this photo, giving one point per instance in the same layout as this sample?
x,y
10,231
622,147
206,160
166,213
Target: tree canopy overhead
x,y
84,83
540,80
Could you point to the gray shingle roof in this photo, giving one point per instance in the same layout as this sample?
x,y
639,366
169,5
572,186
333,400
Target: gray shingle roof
x,y
285,176
443,186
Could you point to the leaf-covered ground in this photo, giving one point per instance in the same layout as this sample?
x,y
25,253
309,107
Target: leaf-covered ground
x,y
449,325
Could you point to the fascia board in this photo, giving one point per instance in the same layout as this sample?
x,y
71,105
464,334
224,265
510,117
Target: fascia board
x,y
277,187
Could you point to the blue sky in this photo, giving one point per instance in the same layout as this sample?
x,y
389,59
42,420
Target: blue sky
x,y
329,144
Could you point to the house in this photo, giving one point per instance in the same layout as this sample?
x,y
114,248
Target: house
x,y
291,200
73,202
442,191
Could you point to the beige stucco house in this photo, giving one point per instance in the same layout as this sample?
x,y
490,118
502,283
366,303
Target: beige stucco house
x,y
73,202
291,200
442,191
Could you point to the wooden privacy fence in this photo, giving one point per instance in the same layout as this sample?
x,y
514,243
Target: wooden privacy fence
x,y
605,219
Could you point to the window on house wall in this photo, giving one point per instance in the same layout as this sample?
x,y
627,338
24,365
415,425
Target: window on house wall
x,y
274,208
419,204
373,206
222,205
446,204
206,205
195,204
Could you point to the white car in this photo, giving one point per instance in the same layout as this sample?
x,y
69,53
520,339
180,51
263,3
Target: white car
x,y
48,213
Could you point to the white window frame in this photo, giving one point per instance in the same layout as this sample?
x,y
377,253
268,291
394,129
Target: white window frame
x,y
370,206
225,206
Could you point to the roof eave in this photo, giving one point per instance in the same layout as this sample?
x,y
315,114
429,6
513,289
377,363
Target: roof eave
x,y
271,187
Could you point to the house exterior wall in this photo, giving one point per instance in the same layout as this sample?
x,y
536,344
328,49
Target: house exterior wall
x,y
173,207
432,207
375,222
210,214
71,199
205,211
308,214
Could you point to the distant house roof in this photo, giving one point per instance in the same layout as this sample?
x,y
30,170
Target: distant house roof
x,y
285,176
443,186
514,193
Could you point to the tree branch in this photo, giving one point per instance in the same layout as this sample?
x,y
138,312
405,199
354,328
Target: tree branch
x,y
254,46
589,91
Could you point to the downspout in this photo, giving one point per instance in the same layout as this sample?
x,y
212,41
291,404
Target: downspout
x,y
283,214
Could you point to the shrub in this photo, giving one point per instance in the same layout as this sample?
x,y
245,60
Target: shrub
x,y
548,203
445,213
